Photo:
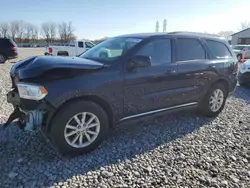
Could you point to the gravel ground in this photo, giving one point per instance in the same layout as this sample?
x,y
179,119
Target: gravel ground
x,y
175,151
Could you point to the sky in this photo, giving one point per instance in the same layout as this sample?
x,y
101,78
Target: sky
x,y
94,19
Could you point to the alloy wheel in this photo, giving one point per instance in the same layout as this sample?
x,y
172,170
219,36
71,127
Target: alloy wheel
x,y
82,129
216,100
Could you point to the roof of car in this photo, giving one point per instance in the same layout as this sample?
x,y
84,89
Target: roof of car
x,y
177,33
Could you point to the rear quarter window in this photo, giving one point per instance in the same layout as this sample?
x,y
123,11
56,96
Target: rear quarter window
x,y
218,49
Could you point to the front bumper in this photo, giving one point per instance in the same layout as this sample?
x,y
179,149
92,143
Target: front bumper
x,y
30,114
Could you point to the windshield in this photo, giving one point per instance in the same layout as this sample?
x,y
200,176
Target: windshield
x,y
238,47
110,49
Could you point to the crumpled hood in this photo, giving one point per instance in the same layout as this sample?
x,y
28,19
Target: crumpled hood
x,y
37,65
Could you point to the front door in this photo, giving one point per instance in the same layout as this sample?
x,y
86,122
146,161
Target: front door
x,y
88,45
151,88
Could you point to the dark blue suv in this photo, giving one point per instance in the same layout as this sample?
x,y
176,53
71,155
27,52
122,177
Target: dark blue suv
x,y
75,100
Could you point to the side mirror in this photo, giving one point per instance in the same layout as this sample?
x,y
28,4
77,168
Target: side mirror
x,y
139,61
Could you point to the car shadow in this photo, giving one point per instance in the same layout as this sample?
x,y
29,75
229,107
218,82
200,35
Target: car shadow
x,y
33,156
242,92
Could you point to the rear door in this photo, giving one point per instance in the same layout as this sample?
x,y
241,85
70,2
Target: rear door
x,y
193,68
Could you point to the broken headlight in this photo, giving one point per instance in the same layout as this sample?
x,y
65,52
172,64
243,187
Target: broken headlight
x,y
30,91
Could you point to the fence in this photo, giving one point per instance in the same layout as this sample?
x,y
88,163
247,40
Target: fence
x,y
38,44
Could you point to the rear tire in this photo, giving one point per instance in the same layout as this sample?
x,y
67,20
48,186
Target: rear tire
x,y
210,108
3,58
60,128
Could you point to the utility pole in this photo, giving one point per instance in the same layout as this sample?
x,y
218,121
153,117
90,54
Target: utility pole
x,y
165,26
157,27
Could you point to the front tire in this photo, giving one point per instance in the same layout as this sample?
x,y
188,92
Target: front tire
x,y
2,58
214,101
79,127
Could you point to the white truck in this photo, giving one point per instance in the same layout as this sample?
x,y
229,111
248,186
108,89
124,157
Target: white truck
x,y
74,48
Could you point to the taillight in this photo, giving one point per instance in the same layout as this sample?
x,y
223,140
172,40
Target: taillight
x,y
50,50
14,48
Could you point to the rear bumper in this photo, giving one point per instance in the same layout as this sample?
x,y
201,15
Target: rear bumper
x,y
12,55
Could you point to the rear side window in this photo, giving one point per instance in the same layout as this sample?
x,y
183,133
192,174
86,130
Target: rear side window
x,y
189,49
80,44
218,49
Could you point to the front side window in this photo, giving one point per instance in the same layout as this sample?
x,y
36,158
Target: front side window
x,y
89,45
218,49
159,50
189,49
111,49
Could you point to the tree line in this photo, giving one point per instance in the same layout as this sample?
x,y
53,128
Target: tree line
x,y
21,31
227,34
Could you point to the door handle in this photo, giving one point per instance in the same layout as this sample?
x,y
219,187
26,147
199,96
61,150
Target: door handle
x,y
211,67
170,71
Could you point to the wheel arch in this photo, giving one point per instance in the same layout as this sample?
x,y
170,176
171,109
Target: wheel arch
x,y
223,81
96,99
2,53
63,52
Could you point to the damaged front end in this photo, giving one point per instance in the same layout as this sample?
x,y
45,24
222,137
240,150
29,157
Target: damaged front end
x,y
31,78
27,120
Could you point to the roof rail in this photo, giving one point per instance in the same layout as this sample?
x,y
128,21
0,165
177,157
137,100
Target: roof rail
x,y
193,33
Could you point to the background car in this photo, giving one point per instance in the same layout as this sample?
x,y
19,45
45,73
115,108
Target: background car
x,y
244,73
74,48
8,49
240,49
